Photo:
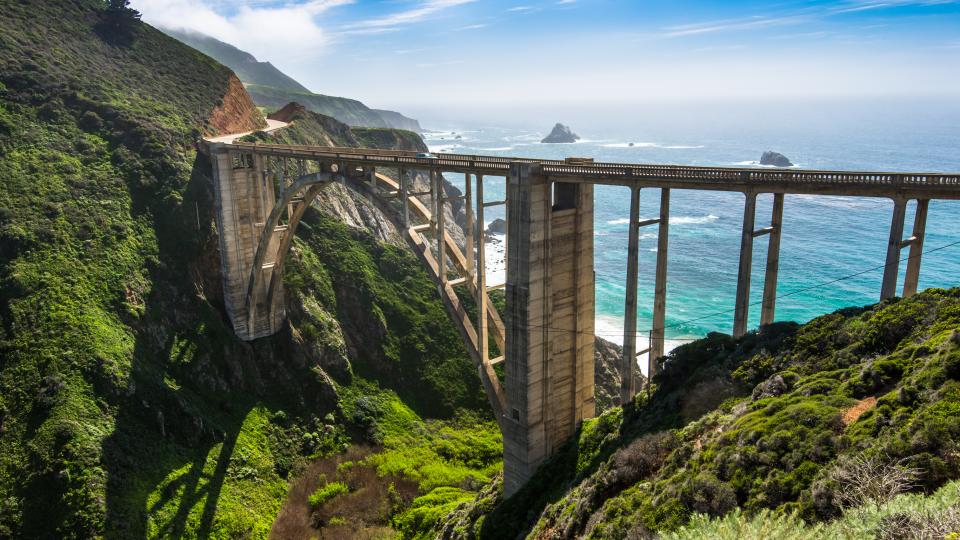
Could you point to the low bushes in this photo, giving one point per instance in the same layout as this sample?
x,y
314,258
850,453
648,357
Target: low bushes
x,y
327,492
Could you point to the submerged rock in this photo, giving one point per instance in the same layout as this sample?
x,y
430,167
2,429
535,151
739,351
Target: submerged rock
x,y
561,134
775,158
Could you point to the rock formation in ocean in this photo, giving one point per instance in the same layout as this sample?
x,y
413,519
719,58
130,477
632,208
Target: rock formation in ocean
x,y
497,226
561,134
775,158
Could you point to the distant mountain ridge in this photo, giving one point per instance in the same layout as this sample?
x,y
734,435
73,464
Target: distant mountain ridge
x,y
271,88
244,64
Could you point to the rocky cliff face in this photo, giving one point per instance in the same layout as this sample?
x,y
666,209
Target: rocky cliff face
x,y
399,121
236,112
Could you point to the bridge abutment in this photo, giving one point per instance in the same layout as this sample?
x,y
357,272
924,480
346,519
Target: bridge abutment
x,y
244,198
549,319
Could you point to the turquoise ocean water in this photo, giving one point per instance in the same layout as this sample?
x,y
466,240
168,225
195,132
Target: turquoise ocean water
x,y
824,238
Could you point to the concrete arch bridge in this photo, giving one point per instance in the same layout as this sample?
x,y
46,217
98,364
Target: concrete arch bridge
x,y
546,333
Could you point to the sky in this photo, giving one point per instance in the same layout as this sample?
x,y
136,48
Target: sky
x,y
415,54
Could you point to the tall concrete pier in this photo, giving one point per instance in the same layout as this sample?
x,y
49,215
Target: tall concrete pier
x,y
546,338
549,319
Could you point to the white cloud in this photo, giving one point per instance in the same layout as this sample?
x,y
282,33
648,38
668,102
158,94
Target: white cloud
x,y
750,23
287,32
416,14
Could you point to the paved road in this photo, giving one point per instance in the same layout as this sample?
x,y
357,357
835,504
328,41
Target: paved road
x,y
272,125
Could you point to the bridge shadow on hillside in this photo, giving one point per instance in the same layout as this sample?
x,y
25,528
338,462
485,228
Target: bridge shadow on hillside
x,y
192,385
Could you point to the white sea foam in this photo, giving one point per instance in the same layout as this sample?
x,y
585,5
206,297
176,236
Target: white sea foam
x,y
675,220
495,258
654,145
611,329
444,147
754,163
499,149
526,137
693,220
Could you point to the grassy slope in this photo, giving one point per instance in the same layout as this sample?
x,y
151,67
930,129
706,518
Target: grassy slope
x,y
127,406
704,442
411,395
97,174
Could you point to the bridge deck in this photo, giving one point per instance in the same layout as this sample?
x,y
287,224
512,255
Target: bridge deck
x,y
744,179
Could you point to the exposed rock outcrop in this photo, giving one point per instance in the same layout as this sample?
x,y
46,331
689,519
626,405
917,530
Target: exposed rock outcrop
x,y
497,226
606,374
775,159
561,134
236,112
288,112
356,211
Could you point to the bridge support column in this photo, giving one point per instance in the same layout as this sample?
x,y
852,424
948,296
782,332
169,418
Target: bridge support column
x,y
916,248
660,288
768,309
469,232
742,306
628,364
888,288
404,196
549,319
371,174
483,339
244,196
440,211
433,201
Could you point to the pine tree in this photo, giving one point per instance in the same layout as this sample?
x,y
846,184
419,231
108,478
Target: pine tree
x,y
121,12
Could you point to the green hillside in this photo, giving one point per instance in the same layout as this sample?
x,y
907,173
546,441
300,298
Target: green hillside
x,y
348,111
783,424
128,408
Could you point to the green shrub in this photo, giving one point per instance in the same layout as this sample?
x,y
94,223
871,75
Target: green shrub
x,y
326,493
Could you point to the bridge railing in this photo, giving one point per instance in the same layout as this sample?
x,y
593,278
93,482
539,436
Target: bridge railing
x,y
496,165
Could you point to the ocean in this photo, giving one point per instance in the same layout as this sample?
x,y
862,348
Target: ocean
x,y
824,238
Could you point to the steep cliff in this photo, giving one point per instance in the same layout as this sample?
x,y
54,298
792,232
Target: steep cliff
x,y
235,112
399,121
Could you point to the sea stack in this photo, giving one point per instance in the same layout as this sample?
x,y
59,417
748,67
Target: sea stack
x,y
775,159
497,226
561,134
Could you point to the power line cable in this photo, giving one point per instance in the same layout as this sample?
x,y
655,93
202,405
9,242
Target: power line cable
x,y
728,311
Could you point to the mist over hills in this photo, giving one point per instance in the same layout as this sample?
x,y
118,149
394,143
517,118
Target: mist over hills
x,y
271,88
